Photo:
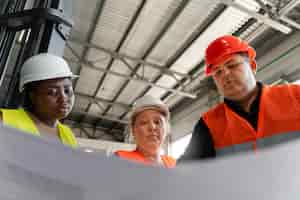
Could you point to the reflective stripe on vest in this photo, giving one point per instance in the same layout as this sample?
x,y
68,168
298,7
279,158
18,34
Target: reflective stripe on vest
x,y
279,113
168,161
18,118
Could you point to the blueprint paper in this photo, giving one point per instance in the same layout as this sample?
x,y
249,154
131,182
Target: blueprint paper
x,y
39,168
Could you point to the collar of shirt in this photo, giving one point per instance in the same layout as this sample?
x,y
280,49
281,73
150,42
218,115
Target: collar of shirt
x,y
252,116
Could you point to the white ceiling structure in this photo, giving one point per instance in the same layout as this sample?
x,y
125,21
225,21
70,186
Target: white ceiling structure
x,y
125,49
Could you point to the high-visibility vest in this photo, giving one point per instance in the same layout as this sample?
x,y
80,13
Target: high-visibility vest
x,y
18,118
136,156
278,121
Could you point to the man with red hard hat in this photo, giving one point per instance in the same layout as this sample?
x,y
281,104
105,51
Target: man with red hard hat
x,y
252,115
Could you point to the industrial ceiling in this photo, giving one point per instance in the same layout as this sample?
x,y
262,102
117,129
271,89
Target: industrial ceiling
x,y
125,49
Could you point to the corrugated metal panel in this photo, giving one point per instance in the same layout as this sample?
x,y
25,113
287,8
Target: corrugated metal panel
x,y
148,72
82,23
250,4
275,2
151,20
82,15
112,83
95,109
129,93
75,47
294,14
87,82
89,78
116,111
99,58
80,104
192,16
113,22
173,99
148,25
110,87
127,115
250,30
230,20
166,81
112,26
190,19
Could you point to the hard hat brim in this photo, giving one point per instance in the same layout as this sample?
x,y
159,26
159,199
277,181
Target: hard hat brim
x,y
162,110
45,77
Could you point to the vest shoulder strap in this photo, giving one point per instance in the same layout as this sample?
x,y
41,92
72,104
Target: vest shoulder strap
x,y
66,135
19,119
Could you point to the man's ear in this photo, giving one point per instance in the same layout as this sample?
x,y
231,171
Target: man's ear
x,y
253,66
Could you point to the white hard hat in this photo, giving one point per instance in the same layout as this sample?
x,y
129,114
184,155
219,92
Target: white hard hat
x,y
149,102
42,67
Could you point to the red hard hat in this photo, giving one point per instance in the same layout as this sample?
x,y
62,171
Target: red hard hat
x,y
222,47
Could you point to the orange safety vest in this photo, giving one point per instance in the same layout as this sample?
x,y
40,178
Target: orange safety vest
x,y
136,156
278,121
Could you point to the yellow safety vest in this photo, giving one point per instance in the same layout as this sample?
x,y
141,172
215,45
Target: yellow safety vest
x,y
18,118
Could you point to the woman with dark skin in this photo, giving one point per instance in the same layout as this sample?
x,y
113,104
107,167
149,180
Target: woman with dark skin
x,y
45,80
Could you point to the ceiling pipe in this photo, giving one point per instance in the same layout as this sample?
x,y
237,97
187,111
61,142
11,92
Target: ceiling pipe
x,y
267,20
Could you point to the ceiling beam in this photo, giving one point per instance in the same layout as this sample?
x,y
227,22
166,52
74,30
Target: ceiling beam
x,y
74,124
250,38
105,117
105,101
128,77
161,34
192,38
196,71
122,57
98,10
122,40
288,7
262,18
